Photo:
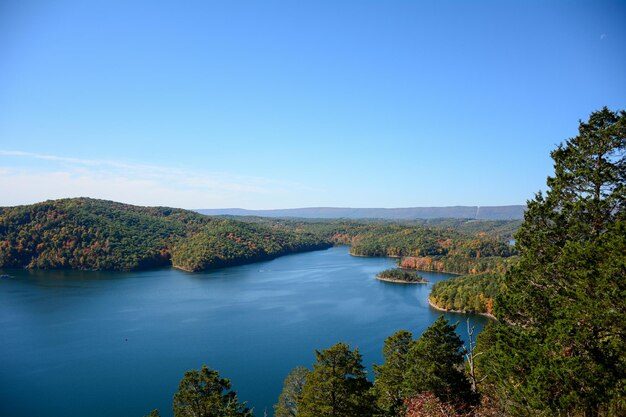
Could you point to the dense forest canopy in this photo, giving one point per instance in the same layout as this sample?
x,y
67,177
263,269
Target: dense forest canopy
x,y
438,249
469,293
90,234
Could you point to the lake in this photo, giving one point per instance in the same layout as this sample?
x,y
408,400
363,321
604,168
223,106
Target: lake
x,y
104,344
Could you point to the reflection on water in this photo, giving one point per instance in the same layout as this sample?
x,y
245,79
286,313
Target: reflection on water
x,y
116,344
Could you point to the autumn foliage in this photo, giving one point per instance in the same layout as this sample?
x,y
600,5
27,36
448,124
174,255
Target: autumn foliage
x,y
428,405
88,234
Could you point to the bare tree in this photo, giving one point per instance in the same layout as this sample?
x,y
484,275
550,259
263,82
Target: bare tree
x,y
471,354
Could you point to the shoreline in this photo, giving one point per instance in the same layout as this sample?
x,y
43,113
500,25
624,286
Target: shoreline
x,y
432,270
399,266
436,307
370,256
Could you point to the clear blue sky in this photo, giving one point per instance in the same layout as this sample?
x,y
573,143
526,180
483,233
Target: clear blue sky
x,y
277,104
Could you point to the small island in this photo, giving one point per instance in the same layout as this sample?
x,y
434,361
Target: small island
x,y
400,276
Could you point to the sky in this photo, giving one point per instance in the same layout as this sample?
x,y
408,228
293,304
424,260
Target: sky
x,y
285,104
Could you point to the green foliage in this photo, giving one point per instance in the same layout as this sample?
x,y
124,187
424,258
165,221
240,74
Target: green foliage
x,y
434,363
431,364
437,249
102,235
204,394
89,234
226,242
471,293
559,349
423,241
287,405
154,413
389,381
337,386
502,230
400,275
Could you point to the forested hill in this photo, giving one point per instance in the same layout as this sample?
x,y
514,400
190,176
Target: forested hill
x,y
90,234
515,212
444,245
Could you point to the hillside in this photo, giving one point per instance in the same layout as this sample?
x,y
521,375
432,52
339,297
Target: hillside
x,y
90,234
470,293
438,249
514,212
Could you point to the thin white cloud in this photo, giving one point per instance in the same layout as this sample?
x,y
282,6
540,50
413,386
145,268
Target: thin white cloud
x,y
27,181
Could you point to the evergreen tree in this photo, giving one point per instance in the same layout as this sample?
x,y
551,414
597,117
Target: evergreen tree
x,y
204,394
287,405
559,349
390,376
435,364
337,386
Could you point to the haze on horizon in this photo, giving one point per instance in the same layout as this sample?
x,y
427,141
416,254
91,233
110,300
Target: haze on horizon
x,y
298,104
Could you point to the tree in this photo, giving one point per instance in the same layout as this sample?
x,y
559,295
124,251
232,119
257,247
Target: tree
x,y
154,413
390,376
435,364
471,353
337,386
586,196
204,394
559,348
287,405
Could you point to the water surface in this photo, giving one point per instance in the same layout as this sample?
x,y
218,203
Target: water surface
x,y
100,344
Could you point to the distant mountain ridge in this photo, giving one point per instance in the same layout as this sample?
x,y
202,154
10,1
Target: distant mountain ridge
x,y
513,212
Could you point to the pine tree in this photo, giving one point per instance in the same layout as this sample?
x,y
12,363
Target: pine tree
x,y
204,394
559,349
435,364
390,376
337,386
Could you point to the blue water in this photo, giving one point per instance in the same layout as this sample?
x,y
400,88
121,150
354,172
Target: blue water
x,y
97,344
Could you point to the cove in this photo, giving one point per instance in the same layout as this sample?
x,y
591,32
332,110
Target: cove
x,y
116,344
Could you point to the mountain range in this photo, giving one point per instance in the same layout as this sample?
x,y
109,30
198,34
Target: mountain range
x,y
513,212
